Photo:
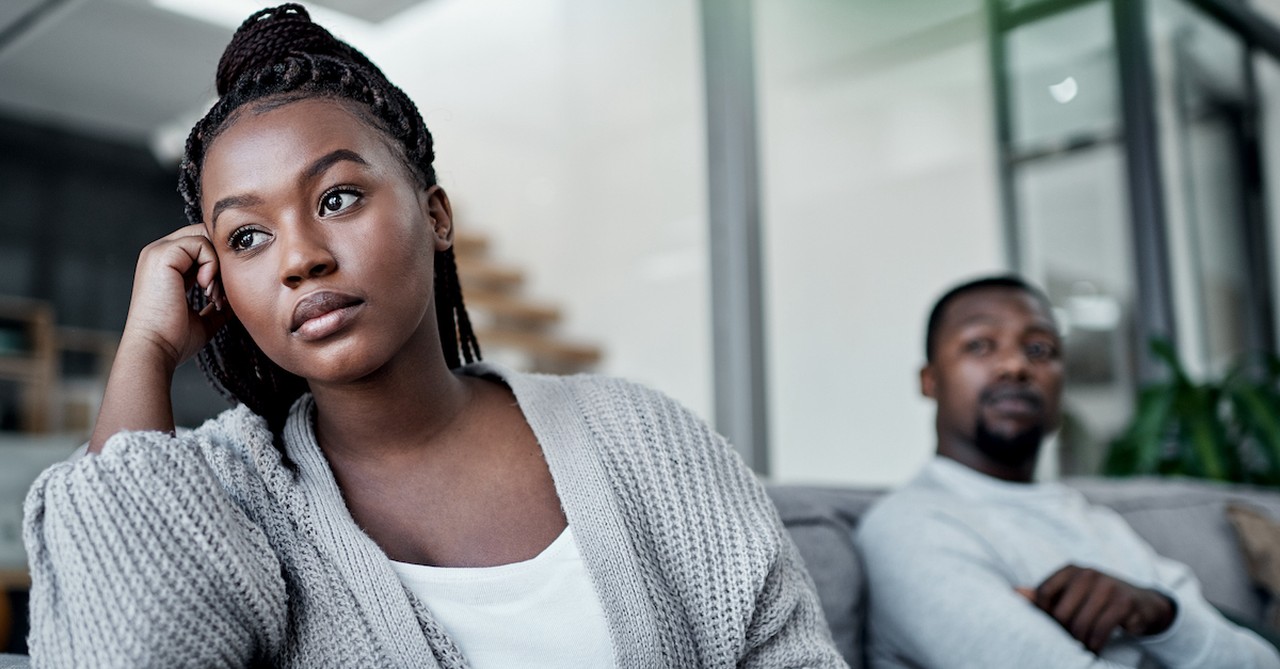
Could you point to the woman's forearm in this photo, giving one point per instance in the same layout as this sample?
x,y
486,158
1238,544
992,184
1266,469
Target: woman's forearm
x,y
137,395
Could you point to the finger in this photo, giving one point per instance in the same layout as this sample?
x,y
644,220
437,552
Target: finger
x,y
212,320
1048,593
1105,625
183,255
207,261
195,241
1028,593
216,295
1098,598
193,230
1152,613
1073,597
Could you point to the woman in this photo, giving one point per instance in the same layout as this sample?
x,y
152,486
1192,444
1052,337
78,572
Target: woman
x,y
372,502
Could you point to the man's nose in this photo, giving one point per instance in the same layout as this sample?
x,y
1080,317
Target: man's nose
x,y
306,255
1014,364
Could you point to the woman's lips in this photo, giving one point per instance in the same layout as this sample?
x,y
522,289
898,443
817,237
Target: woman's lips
x,y
323,313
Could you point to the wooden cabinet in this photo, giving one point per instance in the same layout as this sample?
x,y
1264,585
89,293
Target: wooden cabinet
x,y
29,358
32,349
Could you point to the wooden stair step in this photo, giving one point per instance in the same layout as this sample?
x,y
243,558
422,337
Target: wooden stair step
x,y
541,345
508,308
470,244
478,273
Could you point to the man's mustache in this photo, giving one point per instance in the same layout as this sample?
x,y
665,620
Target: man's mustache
x,y
1008,392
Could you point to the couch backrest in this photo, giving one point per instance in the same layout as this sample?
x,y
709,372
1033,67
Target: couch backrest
x,y
1182,519
1186,520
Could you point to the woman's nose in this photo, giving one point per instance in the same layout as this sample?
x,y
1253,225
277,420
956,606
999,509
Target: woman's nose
x,y
306,256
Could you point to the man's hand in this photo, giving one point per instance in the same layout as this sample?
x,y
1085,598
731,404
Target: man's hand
x,y
1090,605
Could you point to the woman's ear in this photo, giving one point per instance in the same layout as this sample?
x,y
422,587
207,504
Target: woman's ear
x,y
435,204
928,382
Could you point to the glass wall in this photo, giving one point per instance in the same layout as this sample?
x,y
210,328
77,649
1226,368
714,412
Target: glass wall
x,y
1093,165
1202,107
1067,167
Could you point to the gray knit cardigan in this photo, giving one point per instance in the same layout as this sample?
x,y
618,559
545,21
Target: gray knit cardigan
x,y
210,549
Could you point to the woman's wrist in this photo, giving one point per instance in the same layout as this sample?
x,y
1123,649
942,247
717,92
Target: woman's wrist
x,y
144,350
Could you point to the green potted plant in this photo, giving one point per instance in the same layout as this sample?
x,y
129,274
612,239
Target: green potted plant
x,y
1225,429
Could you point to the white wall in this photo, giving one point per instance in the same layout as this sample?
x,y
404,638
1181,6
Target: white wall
x,y
880,191
572,132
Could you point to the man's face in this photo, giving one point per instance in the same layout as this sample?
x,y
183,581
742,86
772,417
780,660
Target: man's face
x,y
996,374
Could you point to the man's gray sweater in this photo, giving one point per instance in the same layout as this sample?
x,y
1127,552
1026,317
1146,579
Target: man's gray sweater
x,y
944,554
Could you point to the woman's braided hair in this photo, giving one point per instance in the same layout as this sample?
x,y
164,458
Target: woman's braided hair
x,y
278,56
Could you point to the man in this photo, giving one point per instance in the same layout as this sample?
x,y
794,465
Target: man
x,y
974,565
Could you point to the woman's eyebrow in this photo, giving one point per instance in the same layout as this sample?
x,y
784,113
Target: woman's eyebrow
x,y
315,169
326,161
231,203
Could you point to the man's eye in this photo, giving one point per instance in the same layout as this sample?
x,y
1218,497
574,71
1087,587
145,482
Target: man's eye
x,y
244,239
337,200
1041,351
977,346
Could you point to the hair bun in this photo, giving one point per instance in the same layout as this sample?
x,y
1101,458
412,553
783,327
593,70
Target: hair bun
x,y
269,36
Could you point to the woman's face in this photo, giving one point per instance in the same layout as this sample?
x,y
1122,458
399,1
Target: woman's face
x,y
325,242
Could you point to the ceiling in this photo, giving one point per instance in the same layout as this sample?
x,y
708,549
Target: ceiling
x,y
123,69
120,68
373,11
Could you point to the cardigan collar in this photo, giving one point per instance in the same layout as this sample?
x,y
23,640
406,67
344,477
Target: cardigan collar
x,y
586,493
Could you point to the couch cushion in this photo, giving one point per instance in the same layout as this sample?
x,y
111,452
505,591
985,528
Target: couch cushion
x,y
1182,519
821,521
1259,537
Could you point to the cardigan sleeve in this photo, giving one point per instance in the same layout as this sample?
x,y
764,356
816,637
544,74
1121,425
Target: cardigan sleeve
x,y
787,627
140,558
715,536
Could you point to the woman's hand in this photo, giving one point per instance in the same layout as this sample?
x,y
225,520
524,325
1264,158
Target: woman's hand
x,y
162,332
159,318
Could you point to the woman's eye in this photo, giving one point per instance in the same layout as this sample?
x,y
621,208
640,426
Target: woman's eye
x,y
245,239
337,200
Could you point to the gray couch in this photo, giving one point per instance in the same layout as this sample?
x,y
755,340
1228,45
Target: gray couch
x,y
1181,519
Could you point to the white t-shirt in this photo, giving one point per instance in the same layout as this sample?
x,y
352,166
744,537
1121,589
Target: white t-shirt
x,y
542,612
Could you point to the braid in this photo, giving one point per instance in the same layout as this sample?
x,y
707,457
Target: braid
x,y
278,56
456,334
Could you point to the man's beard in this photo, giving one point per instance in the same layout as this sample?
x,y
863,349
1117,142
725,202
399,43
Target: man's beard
x,y
1011,450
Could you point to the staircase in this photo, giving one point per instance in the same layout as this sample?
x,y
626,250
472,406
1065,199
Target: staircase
x,y
513,329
